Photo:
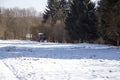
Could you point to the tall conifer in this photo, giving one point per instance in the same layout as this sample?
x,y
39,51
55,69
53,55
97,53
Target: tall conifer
x,y
109,19
81,22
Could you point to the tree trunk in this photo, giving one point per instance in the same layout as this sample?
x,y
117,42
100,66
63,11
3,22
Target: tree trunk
x,y
118,42
5,35
82,40
14,35
118,39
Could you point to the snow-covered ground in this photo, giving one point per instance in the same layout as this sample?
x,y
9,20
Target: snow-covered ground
x,y
29,60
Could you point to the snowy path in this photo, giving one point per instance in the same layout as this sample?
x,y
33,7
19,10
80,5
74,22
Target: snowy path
x,y
52,69
5,73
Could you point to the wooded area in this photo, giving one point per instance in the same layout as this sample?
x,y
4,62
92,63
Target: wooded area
x,y
65,21
16,23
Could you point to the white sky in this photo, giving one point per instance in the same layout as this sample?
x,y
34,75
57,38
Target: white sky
x,y
39,5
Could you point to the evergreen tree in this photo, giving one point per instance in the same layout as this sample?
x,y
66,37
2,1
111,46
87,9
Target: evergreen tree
x,y
55,15
104,17
63,7
56,10
115,23
109,20
91,21
49,12
81,22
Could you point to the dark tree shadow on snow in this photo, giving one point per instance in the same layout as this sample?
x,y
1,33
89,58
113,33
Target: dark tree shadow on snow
x,y
60,53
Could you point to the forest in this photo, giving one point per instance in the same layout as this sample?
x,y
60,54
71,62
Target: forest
x,y
70,21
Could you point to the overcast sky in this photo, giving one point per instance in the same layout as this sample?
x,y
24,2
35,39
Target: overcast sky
x,y
39,5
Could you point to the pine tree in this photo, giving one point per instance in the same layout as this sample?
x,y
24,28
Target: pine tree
x,y
109,20
104,17
115,23
56,10
49,12
55,15
81,22
63,6
91,21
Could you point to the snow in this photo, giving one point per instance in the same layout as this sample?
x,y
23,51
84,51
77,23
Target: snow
x,y
30,60
5,73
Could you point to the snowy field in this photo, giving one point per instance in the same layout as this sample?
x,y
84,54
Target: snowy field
x,y
28,60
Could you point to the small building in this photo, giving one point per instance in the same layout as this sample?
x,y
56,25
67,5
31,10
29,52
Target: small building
x,y
28,36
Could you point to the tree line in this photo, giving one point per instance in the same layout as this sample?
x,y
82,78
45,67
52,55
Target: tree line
x,y
109,21
65,21
83,21
16,23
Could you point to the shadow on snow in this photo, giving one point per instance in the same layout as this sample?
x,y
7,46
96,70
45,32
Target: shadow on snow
x,y
60,53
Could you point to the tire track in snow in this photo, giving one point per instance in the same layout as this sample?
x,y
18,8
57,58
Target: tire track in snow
x,y
6,73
